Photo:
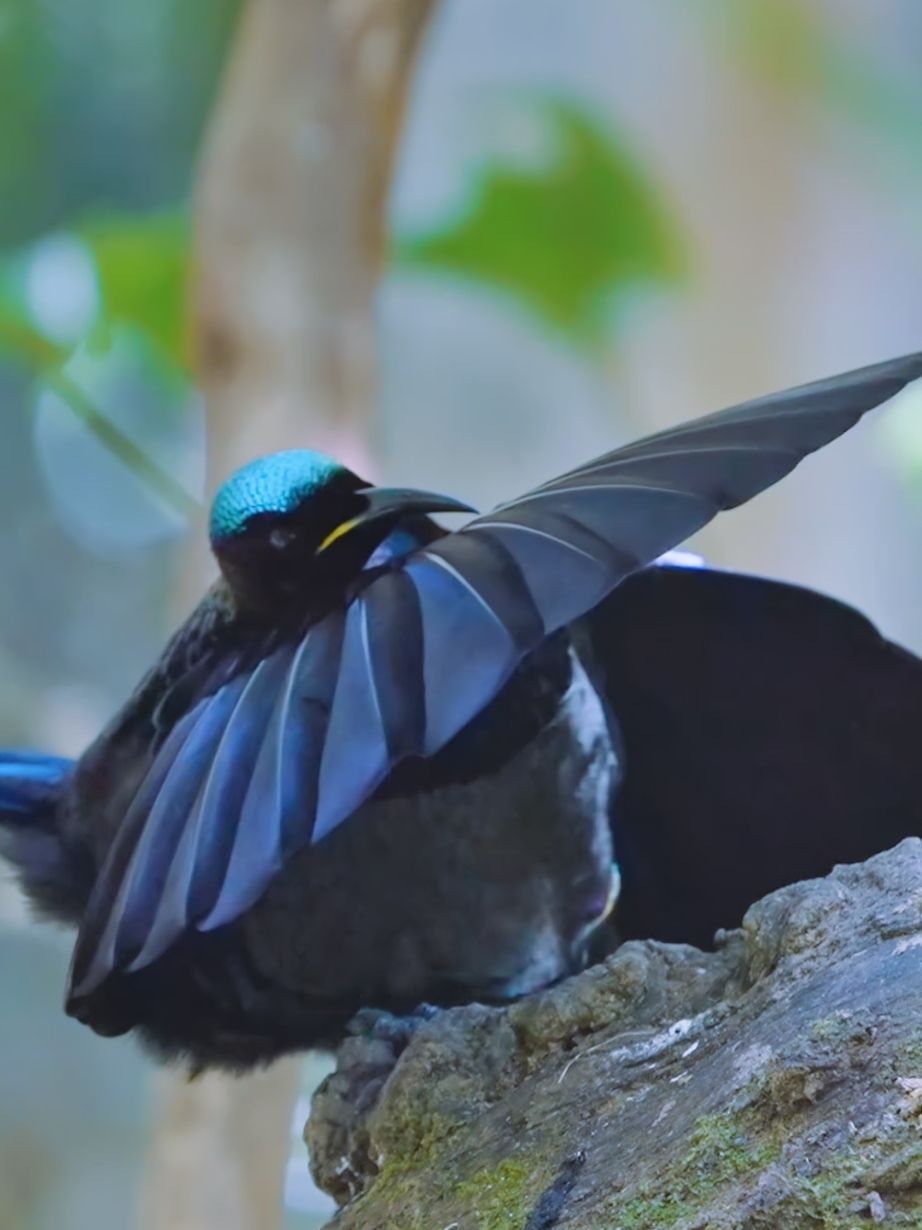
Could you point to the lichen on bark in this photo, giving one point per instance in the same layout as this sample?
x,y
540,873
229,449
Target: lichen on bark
x,y
773,1084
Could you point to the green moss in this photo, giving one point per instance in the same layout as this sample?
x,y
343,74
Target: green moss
x,y
838,1196
910,1055
720,1155
827,1200
723,1156
719,1151
502,1198
430,1174
416,1141
832,1028
648,1213
398,1183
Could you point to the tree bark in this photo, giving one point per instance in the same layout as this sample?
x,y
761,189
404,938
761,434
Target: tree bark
x,y
775,1084
289,239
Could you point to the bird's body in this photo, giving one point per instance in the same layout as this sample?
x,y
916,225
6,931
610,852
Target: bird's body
x,y
477,873
382,764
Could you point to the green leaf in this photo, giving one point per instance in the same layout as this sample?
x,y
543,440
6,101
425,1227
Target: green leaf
x,y
143,264
567,239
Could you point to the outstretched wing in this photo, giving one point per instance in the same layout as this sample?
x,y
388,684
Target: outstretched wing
x,y
568,543
769,732
279,756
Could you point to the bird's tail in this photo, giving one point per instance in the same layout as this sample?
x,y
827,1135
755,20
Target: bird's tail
x,y
56,877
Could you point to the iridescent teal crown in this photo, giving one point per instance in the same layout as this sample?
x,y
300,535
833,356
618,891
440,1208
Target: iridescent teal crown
x,y
276,484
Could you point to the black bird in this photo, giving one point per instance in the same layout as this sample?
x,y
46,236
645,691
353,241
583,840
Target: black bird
x,y
382,764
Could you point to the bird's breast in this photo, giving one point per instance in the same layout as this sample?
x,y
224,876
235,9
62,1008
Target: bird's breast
x,y
480,877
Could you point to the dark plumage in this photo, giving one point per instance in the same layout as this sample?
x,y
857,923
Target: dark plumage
x,y
382,764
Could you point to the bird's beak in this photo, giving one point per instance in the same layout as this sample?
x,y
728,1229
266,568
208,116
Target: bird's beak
x,y
395,501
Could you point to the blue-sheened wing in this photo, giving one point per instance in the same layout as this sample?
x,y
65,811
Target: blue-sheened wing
x,y
281,754
572,540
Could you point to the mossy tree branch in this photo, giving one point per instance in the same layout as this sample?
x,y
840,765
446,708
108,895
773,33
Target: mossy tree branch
x,y
775,1084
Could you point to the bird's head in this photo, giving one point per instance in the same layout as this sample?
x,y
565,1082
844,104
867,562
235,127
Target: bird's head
x,y
298,522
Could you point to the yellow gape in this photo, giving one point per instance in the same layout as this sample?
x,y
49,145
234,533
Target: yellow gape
x,y
338,532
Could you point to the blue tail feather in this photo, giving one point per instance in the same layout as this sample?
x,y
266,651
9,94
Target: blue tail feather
x,y
56,871
30,782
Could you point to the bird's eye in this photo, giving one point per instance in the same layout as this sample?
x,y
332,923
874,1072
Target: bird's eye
x,y
280,538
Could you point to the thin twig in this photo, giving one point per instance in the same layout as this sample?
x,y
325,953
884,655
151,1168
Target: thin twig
x,y
121,446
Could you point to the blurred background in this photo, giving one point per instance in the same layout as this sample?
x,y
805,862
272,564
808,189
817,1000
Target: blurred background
x,y
602,218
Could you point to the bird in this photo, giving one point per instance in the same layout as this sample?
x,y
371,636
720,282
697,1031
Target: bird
x,y
384,764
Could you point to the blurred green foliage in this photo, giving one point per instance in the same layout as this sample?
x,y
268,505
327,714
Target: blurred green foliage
x,y
566,238
102,105
107,155
794,47
27,74
142,265
102,108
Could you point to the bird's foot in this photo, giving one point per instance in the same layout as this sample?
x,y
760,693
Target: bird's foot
x,y
383,1026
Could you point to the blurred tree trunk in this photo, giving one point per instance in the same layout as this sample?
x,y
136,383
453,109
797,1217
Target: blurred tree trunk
x,y
291,222
290,219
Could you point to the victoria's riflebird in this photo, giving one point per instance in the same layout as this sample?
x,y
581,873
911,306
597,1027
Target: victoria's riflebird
x,y
384,764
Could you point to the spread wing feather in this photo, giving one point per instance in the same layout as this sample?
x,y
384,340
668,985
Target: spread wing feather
x,y
112,930
279,805
279,757
393,639
468,652
211,821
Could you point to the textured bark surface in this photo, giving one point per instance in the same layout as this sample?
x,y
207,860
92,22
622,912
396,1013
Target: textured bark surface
x,y
773,1084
